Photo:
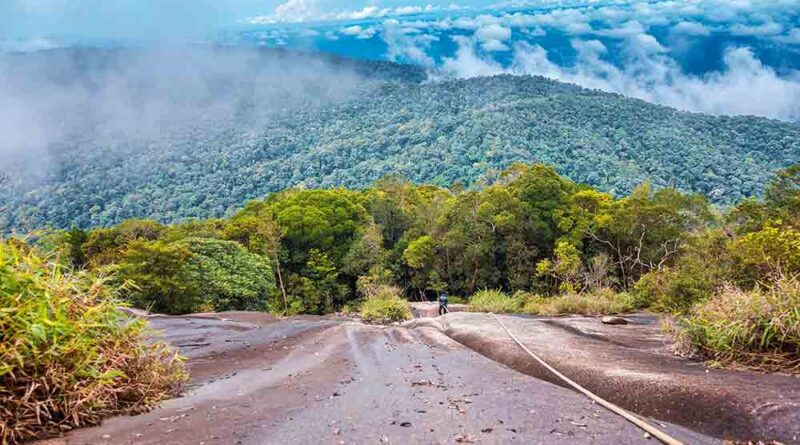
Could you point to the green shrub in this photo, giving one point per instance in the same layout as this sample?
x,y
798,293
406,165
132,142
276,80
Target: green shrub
x,y
490,300
385,305
68,356
759,329
672,290
227,275
196,275
157,277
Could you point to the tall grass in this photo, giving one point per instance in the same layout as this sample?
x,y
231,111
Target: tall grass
x,y
68,357
599,302
757,329
491,300
602,301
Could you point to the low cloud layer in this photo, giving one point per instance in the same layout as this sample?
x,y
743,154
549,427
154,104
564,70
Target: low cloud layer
x,y
743,86
644,49
634,50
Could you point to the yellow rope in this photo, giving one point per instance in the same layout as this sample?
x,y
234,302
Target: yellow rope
x,y
655,432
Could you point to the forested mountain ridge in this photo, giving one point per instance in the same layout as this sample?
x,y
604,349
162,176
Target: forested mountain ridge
x,y
438,131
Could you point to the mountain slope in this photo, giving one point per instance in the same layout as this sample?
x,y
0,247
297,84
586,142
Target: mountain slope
x,y
441,132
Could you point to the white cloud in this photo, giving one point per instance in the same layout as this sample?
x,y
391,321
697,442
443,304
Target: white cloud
x,y
358,32
404,10
28,45
612,14
308,32
764,29
744,86
628,29
644,43
292,11
466,63
364,13
494,45
593,46
493,32
351,30
691,29
403,46
297,11
536,31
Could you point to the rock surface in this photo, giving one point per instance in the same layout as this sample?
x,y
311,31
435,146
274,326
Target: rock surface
x,y
634,368
610,319
332,380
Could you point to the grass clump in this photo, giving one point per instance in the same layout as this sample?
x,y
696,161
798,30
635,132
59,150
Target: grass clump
x,y
384,305
599,302
68,356
757,329
491,300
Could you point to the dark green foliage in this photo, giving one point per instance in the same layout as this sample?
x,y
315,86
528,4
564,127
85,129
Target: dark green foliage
x,y
104,246
444,133
227,276
647,230
158,278
75,239
783,193
326,220
781,203
196,274
316,290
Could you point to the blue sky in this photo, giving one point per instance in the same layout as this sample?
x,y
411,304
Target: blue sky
x,y
716,56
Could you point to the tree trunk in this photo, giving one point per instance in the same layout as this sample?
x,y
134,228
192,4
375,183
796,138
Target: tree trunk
x,y
280,281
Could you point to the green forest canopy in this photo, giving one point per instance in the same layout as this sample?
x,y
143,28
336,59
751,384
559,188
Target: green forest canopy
x,y
442,133
314,250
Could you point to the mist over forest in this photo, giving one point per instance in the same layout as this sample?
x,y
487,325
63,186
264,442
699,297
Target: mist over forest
x,y
75,102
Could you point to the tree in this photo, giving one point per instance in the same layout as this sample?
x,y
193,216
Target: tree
x,y
158,279
104,246
420,257
229,277
255,229
195,274
544,194
563,268
75,239
646,230
366,254
771,252
326,220
783,193
390,202
468,242
319,290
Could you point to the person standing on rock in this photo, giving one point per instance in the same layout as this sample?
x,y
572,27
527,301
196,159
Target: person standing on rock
x,y
443,303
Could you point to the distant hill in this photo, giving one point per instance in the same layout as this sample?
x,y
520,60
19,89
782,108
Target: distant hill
x,y
394,122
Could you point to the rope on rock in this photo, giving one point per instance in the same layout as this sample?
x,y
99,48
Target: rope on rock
x,y
653,431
